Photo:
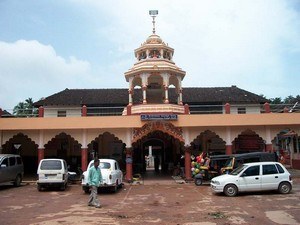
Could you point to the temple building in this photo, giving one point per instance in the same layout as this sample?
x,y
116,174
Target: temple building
x,y
155,116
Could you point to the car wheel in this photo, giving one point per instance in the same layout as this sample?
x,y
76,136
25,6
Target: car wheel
x,y
198,182
284,188
230,190
18,181
114,188
39,187
63,187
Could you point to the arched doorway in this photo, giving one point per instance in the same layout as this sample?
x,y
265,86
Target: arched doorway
x,y
209,143
248,141
21,144
64,146
287,145
108,146
157,152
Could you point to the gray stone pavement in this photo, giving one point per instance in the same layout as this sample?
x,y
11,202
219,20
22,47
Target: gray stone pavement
x,y
154,201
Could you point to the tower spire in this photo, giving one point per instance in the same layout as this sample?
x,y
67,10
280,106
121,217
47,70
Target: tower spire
x,y
153,14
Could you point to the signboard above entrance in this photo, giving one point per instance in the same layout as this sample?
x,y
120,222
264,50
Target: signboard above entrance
x,y
159,117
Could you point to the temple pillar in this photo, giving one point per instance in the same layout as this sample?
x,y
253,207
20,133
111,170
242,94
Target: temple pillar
x,y
267,107
227,108
84,110
187,164
41,111
130,96
228,149
128,176
41,154
84,158
166,95
144,94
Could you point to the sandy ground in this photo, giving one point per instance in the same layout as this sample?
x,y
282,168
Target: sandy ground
x,y
149,202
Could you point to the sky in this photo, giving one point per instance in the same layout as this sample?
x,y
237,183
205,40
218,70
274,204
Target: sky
x,y
50,45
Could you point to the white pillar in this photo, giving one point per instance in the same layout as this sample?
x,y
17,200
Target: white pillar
x,y
84,139
41,139
268,135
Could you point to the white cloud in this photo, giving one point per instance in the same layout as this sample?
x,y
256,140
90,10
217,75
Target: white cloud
x,y
31,69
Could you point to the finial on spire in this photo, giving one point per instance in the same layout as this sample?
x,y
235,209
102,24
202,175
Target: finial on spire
x,y
153,14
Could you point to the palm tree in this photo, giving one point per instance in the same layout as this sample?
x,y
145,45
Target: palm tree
x,y
25,109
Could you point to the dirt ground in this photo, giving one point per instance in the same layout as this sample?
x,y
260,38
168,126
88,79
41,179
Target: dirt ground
x,y
162,202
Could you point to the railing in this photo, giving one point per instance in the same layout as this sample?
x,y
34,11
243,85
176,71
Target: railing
x,y
118,110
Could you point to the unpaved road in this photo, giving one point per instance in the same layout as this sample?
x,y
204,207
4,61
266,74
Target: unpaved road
x,y
154,203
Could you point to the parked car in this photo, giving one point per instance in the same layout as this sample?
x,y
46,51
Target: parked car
x,y
52,173
236,160
11,169
111,174
211,168
260,176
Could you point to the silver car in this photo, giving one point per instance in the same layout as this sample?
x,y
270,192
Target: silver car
x,y
11,169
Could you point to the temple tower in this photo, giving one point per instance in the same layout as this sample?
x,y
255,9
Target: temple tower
x,y
154,72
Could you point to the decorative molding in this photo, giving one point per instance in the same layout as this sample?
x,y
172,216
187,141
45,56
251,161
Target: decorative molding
x,y
165,127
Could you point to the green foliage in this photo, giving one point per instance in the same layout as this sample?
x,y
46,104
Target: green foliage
x,y
25,109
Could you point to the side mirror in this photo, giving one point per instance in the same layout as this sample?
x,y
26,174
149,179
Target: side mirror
x,y
3,166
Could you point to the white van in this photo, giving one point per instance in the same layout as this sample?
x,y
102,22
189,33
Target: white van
x,y
52,172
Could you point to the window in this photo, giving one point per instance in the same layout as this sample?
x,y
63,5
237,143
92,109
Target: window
x,y
280,169
12,161
61,113
51,165
252,171
5,162
269,169
241,110
19,160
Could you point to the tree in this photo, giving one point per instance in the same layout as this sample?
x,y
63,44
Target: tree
x,y
25,109
277,100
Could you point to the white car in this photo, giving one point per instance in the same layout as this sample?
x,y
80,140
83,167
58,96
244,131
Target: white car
x,y
259,176
52,172
111,174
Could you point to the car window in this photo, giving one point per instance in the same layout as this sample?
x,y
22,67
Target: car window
x,y
5,162
51,165
280,169
105,165
19,160
238,170
269,169
251,171
12,161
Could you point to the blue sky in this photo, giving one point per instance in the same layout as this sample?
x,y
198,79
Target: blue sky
x,y
47,46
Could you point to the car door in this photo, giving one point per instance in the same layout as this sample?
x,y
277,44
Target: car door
x,y
4,170
250,179
270,177
119,172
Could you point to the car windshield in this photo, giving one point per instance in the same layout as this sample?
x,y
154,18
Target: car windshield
x,y
51,165
103,165
238,170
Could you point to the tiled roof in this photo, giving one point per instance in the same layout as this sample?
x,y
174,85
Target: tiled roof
x,y
119,97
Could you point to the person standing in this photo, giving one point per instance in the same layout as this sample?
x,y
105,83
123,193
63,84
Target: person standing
x,y
94,180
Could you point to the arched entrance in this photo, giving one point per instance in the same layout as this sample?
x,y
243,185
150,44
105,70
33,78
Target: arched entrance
x,y
107,145
287,144
157,147
248,141
209,143
64,146
21,144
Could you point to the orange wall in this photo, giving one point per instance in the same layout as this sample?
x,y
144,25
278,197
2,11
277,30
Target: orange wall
x,y
222,120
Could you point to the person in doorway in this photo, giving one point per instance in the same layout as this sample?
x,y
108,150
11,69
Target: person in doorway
x,y
94,180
